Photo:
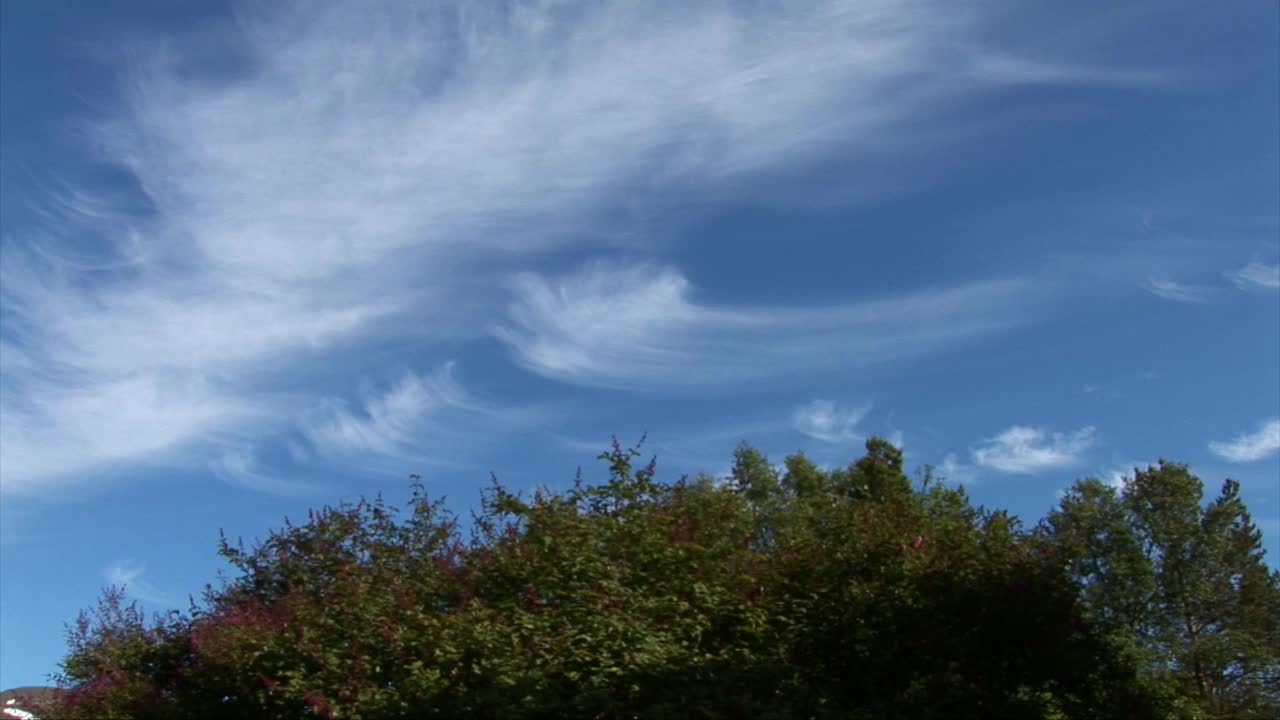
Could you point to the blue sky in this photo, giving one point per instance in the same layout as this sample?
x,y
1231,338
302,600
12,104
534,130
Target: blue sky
x,y
262,257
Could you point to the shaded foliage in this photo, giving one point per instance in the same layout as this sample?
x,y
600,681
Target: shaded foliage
x,y
793,594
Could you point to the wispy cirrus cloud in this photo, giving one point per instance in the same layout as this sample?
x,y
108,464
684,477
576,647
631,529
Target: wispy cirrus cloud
x,y
957,472
1117,475
1250,446
1176,291
352,174
826,421
388,421
240,467
639,325
417,419
1017,70
128,574
897,439
59,429
1023,449
1256,276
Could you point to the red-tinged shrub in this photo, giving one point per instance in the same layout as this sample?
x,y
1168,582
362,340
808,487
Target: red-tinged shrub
x,y
845,594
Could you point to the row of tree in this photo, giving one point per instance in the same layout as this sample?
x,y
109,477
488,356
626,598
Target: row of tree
x,y
852,593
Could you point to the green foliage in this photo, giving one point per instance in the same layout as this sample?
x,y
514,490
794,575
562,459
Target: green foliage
x,y
811,595
753,476
877,475
1180,585
803,478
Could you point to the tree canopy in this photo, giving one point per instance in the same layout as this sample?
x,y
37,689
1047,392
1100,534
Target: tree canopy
x,y
788,593
1180,585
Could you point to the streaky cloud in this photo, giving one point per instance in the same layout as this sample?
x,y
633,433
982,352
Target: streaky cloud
x,y
239,467
359,173
957,472
389,421
824,420
1175,291
639,326
128,575
1256,276
1250,446
1024,450
1118,475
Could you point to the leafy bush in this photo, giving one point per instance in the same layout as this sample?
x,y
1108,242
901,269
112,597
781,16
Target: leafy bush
x,y
811,595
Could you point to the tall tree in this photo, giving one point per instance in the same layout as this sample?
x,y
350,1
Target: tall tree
x,y
753,475
1181,584
876,476
802,478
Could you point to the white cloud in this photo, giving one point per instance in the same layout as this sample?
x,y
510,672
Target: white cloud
x,y
638,326
1249,447
128,575
1013,70
959,473
136,416
1115,476
387,421
897,439
420,419
239,467
1176,291
357,172
825,421
1257,275
1022,449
